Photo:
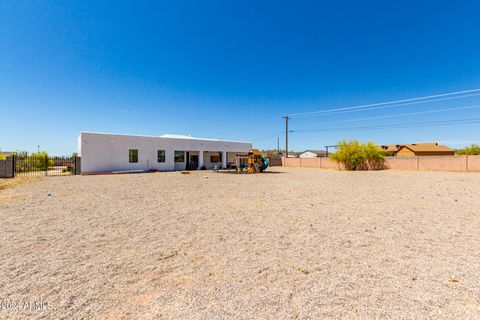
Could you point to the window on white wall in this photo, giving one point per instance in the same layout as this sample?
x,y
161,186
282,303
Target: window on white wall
x,y
216,157
179,156
161,156
133,155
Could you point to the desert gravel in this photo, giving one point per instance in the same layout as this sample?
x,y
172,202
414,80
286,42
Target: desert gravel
x,y
295,243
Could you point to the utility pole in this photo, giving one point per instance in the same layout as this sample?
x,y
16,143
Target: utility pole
x,y
278,146
332,146
286,135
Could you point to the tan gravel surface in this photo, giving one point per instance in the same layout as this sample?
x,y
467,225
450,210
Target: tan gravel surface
x,y
296,244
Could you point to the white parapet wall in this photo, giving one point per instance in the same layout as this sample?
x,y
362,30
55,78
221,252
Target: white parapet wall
x,y
105,152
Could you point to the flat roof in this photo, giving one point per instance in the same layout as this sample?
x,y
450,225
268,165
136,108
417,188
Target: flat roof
x,y
164,136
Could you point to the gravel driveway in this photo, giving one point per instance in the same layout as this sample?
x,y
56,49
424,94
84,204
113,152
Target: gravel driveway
x,y
295,243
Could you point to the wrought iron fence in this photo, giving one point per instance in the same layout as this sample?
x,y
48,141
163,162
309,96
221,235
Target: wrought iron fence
x,y
44,165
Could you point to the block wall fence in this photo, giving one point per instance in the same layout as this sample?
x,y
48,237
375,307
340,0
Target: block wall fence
x,y
6,168
434,163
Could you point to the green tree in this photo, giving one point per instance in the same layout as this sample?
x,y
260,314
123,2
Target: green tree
x,y
2,157
473,149
41,160
22,154
37,161
355,155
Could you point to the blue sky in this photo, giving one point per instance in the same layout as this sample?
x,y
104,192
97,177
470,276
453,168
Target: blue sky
x,y
231,69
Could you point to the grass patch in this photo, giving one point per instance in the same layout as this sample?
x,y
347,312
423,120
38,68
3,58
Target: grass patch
x,y
16,182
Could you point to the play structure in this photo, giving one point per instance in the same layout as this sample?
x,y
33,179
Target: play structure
x,y
251,162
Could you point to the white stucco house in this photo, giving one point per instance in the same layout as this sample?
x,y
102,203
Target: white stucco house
x,y
105,152
313,154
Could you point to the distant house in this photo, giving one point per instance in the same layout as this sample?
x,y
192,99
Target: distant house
x,y
391,149
423,149
7,153
312,154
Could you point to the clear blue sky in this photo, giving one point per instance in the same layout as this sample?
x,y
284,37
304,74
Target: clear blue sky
x,y
230,69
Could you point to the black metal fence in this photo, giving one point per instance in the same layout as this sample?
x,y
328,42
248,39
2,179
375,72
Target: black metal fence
x,y
45,165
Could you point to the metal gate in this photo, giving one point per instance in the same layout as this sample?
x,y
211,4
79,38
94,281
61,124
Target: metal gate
x,y
42,164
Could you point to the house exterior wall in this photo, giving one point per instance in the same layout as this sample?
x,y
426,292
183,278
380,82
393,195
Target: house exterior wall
x,y
435,153
405,152
308,154
207,157
109,152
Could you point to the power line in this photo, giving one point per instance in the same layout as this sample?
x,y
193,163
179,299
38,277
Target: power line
x,y
266,136
365,106
400,125
390,106
403,114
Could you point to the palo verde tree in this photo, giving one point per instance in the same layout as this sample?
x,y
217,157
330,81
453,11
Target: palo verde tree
x,y
473,149
41,161
355,155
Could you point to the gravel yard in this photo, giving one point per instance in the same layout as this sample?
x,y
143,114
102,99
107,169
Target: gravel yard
x,y
295,243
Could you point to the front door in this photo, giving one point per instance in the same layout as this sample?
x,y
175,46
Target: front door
x,y
194,161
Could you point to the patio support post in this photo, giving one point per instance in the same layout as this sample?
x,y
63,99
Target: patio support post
x,y
200,159
224,160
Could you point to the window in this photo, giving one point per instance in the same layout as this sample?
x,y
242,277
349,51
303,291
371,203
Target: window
x,y
133,155
179,156
215,158
161,156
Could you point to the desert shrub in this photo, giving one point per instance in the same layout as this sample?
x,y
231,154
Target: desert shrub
x,y
349,153
22,154
355,155
473,149
2,157
41,160
37,161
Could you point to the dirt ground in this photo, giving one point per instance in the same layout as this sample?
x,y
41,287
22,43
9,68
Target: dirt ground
x,y
295,243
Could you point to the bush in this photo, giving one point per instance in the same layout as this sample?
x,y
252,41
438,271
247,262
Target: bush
x,y
37,161
2,157
41,160
473,149
355,155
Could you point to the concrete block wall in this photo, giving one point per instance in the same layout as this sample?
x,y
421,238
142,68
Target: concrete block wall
x,y
457,163
402,163
473,163
6,168
275,162
320,162
438,163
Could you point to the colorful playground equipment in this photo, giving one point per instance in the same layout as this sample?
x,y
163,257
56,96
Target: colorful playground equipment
x,y
251,162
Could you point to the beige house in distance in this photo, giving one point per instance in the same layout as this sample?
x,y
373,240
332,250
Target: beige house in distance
x,y
418,149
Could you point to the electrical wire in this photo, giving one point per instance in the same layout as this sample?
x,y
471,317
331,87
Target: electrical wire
x,y
402,114
399,125
389,104
267,136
